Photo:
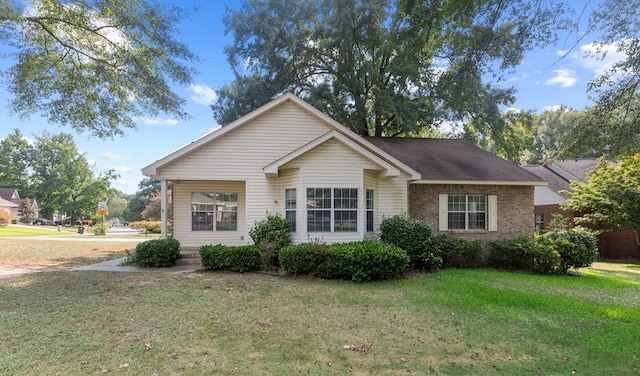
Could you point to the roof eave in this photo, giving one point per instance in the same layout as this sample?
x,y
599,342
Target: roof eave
x,y
540,183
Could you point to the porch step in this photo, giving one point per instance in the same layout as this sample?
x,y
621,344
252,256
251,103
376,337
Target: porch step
x,y
188,257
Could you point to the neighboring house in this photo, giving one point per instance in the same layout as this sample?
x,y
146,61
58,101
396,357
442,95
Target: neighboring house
x,y
8,206
11,195
333,185
612,243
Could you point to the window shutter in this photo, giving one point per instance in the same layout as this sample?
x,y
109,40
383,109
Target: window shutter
x,y
493,213
443,213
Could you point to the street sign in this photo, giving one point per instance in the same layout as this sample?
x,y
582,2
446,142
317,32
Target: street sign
x,y
102,208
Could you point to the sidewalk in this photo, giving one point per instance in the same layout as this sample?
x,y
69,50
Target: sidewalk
x,y
105,266
114,266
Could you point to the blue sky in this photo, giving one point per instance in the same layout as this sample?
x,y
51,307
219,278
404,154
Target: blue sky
x,y
542,80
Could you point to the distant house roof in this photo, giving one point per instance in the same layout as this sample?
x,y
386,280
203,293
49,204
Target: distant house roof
x,y
450,160
559,174
9,194
7,204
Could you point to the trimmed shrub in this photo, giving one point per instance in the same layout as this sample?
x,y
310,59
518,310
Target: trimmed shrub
x,y
270,235
14,221
157,252
523,254
577,246
457,252
303,259
363,261
5,218
237,258
153,227
412,235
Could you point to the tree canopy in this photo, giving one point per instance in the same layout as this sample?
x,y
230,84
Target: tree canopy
x,y
94,65
612,125
384,67
611,194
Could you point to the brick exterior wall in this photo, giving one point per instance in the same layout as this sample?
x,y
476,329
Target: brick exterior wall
x,y
549,210
515,208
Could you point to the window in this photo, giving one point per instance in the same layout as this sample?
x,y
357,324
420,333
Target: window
x,y
467,212
332,210
290,207
369,198
214,211
540,222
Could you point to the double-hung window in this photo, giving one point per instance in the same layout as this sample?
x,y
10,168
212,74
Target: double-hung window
x,y
468,212
332,209
370,201
290,204
214,211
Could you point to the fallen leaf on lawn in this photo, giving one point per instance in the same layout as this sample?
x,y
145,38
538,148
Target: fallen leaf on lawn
x,y
147,347
124,365
364,348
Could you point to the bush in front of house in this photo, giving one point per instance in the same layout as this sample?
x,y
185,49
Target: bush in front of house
x,y
523,254
412,235
235,258
363,261
270,236
577,246
157,252
457,252
304,258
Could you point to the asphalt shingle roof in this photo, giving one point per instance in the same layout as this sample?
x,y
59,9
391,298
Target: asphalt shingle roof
x,y
450,159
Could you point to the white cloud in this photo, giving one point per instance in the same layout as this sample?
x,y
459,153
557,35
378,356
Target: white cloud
x,y
203,94
599,58
552,108
520,77
122,168
563,77
111,156
148,121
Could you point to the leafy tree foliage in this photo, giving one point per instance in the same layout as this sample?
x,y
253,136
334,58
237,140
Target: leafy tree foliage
x,y
612,126
384,67
15,154
147,188
94,65
25,212
63,179
611,194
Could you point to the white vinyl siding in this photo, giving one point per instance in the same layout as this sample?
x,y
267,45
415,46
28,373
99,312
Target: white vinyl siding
x,y
234,162
467,212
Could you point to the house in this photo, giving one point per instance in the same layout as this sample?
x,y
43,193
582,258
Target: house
x,y
333,185
612,243
11,195
8,206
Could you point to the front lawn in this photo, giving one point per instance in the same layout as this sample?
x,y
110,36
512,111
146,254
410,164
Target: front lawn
x,y
454,322
20,252
33,231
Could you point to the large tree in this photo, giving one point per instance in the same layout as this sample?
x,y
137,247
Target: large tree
x,y
63,179
15,154
384,67
612,194
613,124
94,65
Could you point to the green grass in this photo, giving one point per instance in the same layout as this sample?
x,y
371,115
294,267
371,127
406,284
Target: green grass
x,y
455,322
32,231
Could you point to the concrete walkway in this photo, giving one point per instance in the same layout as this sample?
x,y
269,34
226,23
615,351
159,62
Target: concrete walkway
x,y
105,266
114,266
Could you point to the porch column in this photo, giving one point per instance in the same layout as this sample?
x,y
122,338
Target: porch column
x,y
163,209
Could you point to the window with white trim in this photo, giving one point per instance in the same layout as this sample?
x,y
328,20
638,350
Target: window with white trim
x,y
290,204
332,209
217,211
369,202
468,212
